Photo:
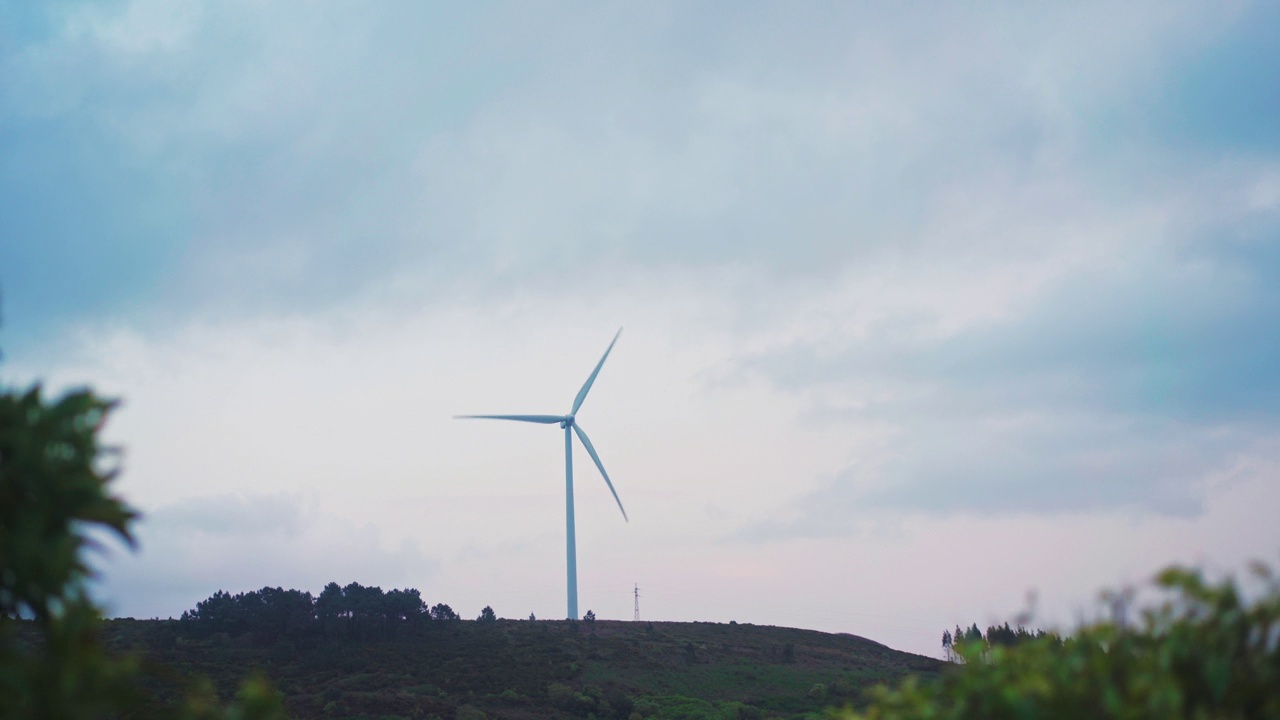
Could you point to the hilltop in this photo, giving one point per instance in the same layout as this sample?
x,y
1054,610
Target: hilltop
x,y
526,670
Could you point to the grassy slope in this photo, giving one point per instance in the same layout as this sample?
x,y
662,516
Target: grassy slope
x,y
546,669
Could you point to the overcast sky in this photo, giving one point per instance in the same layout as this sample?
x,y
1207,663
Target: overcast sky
x,y
925,307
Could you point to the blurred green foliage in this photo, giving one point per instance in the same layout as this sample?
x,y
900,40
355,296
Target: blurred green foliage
x,y
1205,652
54,499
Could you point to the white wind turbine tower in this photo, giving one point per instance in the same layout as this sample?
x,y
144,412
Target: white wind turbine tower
x,y
570,425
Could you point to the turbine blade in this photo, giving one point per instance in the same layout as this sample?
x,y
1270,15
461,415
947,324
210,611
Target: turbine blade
x,y
544,419
586,442
586,387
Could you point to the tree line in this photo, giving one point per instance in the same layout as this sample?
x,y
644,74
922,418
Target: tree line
x,y
995,636
353,611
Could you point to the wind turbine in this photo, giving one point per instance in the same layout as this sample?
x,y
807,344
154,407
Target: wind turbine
x,y
571,427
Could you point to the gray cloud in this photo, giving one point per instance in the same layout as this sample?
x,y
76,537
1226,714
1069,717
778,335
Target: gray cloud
x,y
1121,386
233,515
1189,343
304,157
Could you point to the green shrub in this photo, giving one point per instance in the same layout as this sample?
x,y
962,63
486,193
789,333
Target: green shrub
x,y
620,704
566,698
54,492
1204,653
425,690
679,707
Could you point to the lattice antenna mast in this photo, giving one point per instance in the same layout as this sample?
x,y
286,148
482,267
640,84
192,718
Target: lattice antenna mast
x,y
637,615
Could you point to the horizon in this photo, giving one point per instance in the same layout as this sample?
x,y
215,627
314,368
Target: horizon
x,y
933,316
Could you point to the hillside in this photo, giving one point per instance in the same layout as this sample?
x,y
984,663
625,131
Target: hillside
x,y
607,670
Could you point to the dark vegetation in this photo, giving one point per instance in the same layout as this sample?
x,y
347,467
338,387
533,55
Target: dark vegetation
x,y
995,636
367,663
354,611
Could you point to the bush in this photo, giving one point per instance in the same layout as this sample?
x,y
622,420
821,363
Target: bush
x,y
54,492
621,705
1204,653
679,707
565,698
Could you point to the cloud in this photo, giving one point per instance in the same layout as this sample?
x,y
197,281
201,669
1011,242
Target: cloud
x,y
1220,99
236,157
233,515
1121,384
